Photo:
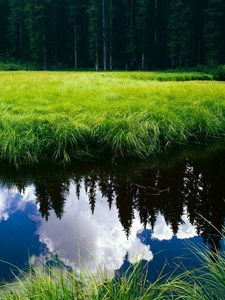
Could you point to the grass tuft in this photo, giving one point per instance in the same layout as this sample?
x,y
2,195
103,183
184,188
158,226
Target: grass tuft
x,y
60,116
205,283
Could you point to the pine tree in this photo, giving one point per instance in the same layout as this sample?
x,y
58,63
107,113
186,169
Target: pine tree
x,y
156,33
114,34
37,24
4,7
16,29
119,34
104,33
179,37
198,26
141,32
94,32
111,11
73,24
130,34
213,32
57,23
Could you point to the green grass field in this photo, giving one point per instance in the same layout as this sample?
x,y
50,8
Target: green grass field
x,y
65,115
205,283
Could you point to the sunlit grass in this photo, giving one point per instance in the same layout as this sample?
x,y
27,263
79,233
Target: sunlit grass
x,y
66,115
205,283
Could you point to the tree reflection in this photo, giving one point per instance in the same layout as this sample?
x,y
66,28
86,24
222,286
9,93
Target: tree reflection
x,y
51,193
196,186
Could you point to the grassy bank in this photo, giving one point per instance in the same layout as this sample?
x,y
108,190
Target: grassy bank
x,y
206,283
66,115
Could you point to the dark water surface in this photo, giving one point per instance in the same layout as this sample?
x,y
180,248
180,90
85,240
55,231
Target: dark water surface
x,y
114,213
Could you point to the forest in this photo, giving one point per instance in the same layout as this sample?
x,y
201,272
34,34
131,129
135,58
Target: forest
x,y
112,34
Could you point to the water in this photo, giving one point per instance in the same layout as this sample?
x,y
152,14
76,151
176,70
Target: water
x,y
114,214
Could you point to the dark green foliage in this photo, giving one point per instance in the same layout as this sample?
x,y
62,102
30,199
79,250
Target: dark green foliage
x,y
179,27
17,38
4,10
214,32
38,31
14,67
94,32
220,73
113,34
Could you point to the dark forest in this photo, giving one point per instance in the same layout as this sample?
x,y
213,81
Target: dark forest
x,y
113,34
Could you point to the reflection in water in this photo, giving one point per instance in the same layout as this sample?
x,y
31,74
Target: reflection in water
x,y
105,211
99,238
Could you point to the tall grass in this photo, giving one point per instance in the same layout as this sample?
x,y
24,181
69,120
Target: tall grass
x,y
43,283
65,115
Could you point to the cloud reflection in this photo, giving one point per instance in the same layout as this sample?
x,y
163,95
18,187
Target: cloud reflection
x,y
163,231
11,200
99,238
88,240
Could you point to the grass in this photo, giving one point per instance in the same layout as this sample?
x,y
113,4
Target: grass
x,y
205,283
59,116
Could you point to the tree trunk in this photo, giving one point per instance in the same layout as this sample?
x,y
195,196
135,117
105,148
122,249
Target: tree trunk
x,y
110,34
110,62
104,35
44,52
75,47
21,32
96,54
132,33
55,37
143,61
156,27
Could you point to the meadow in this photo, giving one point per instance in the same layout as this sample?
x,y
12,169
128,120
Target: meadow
x,y
60,116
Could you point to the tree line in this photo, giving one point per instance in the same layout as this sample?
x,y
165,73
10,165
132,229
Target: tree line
x,y
113,34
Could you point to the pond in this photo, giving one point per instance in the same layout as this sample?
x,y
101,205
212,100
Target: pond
x,y
114,214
